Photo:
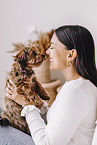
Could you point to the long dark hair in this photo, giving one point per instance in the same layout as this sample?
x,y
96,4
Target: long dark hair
x,y
79,38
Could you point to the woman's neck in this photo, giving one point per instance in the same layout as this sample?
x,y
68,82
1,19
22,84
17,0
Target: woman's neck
x,y
70,73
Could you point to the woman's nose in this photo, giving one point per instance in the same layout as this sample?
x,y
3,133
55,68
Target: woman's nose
x,y
48,51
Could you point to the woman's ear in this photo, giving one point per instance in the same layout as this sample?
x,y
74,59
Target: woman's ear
x,y
72,55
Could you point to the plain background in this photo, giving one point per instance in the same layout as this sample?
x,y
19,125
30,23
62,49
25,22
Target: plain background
x,y
16,16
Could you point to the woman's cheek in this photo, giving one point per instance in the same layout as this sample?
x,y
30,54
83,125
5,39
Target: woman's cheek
x,y
52,65
55,60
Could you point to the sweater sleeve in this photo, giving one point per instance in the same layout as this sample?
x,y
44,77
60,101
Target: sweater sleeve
x,y
67,115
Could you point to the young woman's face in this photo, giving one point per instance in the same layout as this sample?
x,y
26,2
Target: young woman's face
x,y
58,54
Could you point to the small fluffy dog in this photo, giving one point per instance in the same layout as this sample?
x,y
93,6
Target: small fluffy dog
x,y
23,76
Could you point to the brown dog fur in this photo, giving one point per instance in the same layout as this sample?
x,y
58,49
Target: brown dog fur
x,y
22,75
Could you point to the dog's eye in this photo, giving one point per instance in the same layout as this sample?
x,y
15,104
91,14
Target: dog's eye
x,y
34,53
17,73
43,55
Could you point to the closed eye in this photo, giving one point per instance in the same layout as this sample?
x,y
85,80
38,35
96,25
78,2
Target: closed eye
x,y
51,48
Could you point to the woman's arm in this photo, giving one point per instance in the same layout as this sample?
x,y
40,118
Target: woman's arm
x,y
64,120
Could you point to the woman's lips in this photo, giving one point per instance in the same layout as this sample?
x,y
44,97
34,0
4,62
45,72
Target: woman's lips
x,y
51,59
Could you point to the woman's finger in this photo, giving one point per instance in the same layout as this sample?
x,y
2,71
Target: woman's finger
x,y
20,100
9,95
10,87
9,91
10,84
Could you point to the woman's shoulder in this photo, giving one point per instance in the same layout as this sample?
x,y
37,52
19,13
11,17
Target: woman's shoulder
x,y
81,88
71,89
81,83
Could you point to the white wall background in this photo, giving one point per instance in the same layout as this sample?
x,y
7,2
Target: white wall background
x,y
17,15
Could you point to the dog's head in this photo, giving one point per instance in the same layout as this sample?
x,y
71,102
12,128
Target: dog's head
x,y
29,57
34,53
24,62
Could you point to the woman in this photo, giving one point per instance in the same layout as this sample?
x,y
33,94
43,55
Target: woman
x,y
71,118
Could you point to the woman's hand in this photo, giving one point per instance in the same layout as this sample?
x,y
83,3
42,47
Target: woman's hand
x,y
11,92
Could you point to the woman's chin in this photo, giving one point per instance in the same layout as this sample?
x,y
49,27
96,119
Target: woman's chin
x,y
52,67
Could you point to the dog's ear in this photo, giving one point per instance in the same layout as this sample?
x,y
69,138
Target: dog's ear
x,y
22,57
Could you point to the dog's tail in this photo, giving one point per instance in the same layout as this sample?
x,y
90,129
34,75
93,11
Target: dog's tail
x,y
4,121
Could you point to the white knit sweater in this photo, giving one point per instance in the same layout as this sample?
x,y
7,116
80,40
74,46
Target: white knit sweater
x,y
70,119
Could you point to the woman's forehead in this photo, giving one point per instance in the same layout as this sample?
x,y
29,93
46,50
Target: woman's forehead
x,y
54,39
56,42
